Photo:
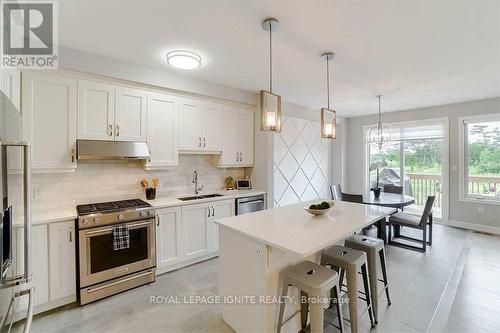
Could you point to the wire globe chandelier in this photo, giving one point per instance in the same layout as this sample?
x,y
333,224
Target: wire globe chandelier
x,y
380,134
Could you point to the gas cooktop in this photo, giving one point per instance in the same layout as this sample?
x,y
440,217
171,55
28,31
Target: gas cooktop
x,y
111,206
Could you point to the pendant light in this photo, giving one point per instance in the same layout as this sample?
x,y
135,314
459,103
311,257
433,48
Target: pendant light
x,y
270,103
328,116
380,134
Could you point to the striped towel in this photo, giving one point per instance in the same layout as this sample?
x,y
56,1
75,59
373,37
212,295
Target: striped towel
x,y
121,237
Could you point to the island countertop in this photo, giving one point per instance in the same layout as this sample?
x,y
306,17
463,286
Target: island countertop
x,y
292,229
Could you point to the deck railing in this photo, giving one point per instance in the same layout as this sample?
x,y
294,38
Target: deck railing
x,y
423,185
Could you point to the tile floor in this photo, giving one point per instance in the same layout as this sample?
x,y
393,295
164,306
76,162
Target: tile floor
x,y
454,287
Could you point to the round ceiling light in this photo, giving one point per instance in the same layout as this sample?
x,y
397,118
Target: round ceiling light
x,y
183,59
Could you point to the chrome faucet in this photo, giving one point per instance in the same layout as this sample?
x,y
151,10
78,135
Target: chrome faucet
x,y
195,182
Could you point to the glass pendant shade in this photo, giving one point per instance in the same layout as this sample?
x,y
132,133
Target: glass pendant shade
x,y
328,123
270,111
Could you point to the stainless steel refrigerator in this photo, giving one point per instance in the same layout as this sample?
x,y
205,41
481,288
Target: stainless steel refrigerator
x,y
14,284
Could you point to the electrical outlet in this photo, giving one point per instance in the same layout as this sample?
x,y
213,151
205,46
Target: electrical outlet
x,y
480,210
37,192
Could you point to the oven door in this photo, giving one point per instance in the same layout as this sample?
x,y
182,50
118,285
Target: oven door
x,y
100,262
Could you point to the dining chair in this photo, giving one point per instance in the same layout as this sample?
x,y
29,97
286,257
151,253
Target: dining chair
x,y
336,192
414,222
358,198
393,189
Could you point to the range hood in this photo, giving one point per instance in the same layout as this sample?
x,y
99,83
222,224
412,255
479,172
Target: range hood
x,y
111,150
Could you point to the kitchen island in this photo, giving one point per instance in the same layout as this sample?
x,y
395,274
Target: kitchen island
x,y
255,248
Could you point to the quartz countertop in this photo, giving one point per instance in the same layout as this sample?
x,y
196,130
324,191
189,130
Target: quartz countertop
x,y
292,229
59,214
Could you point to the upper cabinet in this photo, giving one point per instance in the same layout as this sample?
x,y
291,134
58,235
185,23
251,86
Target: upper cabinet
x,y
237,138
49,120
162,131
106,112
96,110
200,127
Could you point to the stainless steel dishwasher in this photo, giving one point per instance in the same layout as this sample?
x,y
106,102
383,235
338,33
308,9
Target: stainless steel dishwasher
x,y
249,204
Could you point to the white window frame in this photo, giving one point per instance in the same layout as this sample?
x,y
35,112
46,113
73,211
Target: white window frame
x,y
445,163
463,167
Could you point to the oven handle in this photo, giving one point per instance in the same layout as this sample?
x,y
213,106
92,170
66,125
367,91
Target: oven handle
x,y
134,225
92,290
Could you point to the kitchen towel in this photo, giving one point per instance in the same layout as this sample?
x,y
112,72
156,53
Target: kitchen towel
x,y
121,237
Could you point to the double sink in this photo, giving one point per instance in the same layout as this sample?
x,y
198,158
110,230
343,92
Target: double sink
x,y
197,197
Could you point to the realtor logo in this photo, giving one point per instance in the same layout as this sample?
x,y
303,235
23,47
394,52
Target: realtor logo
x,y
29,34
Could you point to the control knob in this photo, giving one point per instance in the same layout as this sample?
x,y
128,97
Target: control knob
x,y
120,217
85,221
143,213
96,220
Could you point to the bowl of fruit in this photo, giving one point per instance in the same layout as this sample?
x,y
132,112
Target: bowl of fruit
x,y
319,208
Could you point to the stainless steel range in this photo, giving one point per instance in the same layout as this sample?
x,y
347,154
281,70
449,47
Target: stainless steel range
x,y
103,269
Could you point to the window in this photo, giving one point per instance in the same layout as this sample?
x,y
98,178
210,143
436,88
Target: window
x,y
481,158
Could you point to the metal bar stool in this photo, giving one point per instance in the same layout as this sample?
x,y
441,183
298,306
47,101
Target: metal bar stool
x,y
351,261
373,247
313,281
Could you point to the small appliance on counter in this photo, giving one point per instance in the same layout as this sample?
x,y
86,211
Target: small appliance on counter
x,y
115,246
229,183
243,184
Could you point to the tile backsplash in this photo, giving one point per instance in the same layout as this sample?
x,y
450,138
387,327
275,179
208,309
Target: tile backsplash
x,y
96,181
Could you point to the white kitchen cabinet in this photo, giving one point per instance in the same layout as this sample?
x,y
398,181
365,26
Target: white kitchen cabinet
x,y
130,115
169,238
162,131
96,110
200,126
40,263
12,122
196,229
49,120
62,266
219,210
237,138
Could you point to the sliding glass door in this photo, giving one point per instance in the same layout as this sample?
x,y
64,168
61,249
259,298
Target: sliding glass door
x,y
415,160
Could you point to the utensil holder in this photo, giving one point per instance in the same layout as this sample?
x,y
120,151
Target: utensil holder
x,y
150,193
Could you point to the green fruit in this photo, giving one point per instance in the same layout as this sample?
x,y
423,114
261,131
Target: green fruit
x,y
313,207
325,205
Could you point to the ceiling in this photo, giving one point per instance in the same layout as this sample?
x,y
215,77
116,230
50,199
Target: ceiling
x,y
415,53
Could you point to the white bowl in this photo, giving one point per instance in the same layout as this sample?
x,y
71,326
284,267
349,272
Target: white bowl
x,y
318,212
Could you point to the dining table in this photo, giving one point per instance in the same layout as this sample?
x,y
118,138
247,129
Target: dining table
x,y
392,200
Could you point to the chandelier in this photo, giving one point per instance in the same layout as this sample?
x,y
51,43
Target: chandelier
x,y
380,134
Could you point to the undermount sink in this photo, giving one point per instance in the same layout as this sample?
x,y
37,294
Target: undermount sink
x,y
197,197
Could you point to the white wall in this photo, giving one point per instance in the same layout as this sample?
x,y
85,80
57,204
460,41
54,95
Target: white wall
x,y
458,210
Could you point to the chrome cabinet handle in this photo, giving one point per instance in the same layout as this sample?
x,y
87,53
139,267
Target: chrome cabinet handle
x,y
72,156
213,211
204,142
237,157
117,129
241,157
70,235
208,211
199,141
110,130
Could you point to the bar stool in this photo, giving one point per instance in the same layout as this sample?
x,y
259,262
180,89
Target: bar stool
x,y
373,247
351,261
313,281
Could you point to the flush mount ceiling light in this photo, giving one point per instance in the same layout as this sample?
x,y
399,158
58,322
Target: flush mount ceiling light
x,y
183,59
270,104
328,116
380,134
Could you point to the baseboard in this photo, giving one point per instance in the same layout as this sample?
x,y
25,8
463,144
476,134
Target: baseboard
x,y
471,226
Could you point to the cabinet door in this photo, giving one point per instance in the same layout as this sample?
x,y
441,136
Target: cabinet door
x,y
62,267
212,137
230,137
40,263
190,125
220,209
96,111
130,115
169,245
246,137
49,120
162,131
196,234
12,122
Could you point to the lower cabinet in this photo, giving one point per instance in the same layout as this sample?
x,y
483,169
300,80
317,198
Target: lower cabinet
x,y
188,234
53,265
